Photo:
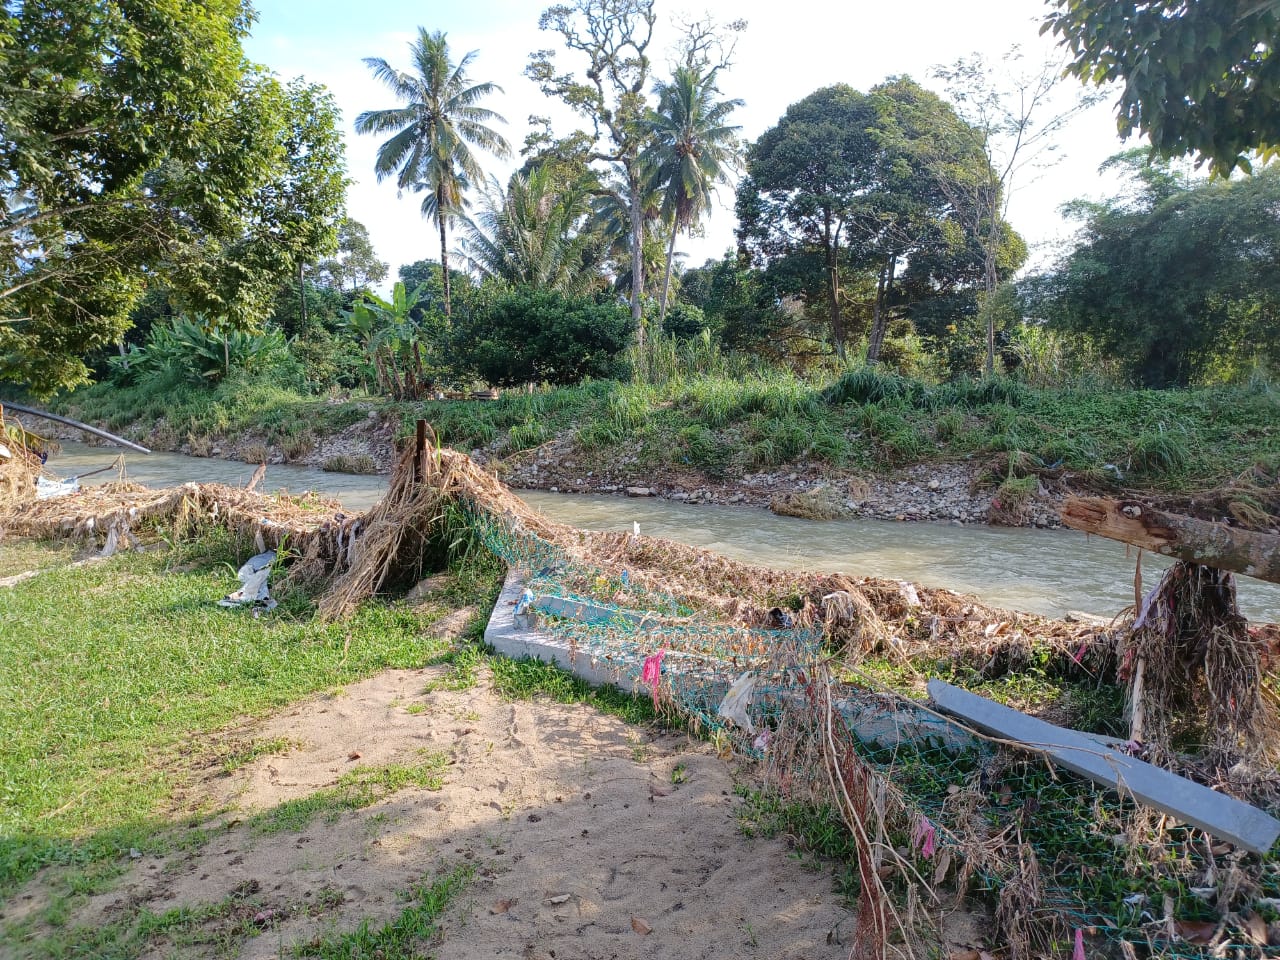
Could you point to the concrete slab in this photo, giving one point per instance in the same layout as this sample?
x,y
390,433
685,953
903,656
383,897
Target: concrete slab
x,y
523,639
1215,813
878,720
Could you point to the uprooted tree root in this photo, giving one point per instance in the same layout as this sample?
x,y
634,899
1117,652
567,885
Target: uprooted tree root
x,y
1190,661
19,464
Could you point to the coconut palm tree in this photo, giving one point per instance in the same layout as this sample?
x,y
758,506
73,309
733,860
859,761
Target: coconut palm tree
x,y
434,131
537,234
692,150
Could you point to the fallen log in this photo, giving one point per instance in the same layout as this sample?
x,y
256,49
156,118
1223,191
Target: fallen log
x,y
1184,538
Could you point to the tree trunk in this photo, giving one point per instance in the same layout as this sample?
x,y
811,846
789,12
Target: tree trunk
x,y
1186,538
302,298
832,250
991,280
666,280
884,287
637,249
444,255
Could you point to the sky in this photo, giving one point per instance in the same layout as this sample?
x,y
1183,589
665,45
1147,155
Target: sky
x,y
788,50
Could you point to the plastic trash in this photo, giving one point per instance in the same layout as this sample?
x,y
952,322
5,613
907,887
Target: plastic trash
x,y
48,489
4,452
651,674
254,589
522,604
737,701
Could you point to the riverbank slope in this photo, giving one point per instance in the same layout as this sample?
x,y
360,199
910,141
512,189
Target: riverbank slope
x,y
869,443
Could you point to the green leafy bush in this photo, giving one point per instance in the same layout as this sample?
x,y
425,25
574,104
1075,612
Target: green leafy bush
x,y
1159,452
532,336
197,351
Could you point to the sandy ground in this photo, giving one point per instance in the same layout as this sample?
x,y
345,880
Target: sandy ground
x,y
582,845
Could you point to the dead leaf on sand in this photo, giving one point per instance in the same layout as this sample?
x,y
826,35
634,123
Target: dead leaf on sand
x,y
557,900
502,906
640,927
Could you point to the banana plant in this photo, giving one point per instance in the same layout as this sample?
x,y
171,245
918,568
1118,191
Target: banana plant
x,y
393,336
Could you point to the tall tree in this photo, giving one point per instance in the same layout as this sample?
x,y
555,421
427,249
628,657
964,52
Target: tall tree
x,y
137,144
356,266
434,131
1199,78
1012,114
805,179
929,208
1181,281
692,150
614,37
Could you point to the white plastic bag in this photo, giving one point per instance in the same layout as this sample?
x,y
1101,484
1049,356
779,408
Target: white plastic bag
x,y
737,702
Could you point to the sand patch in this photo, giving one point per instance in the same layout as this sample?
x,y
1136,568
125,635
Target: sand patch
x,y
581,843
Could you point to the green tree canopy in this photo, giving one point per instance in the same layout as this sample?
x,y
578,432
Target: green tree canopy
x,y
356,266
1200,76
1181,282
805,179
851,193
530,336
138,146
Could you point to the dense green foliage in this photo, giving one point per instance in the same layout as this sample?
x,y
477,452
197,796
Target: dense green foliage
x,y
1181,281
531,336
849,188
192,350
1199,77
136,141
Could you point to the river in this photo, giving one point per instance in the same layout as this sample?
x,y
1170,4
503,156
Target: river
x,y
1042,571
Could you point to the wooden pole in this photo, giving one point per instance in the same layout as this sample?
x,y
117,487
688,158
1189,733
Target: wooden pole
x,y
1185,538
420,451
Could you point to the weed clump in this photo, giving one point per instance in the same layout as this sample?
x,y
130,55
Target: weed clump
x,y
359,463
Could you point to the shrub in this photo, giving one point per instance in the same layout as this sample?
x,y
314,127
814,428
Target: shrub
x,y
871,385
360,463
295,448
1159,452
534,336
194,350
530,433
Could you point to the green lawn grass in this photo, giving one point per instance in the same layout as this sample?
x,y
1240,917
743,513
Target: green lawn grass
x,y
118,677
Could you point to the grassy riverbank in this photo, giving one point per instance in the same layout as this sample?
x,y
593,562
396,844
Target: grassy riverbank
x,y
865,421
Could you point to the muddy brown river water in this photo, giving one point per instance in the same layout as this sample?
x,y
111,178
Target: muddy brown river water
x,y
1041,571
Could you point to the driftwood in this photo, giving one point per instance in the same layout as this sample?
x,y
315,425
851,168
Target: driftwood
x,y
1185,538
